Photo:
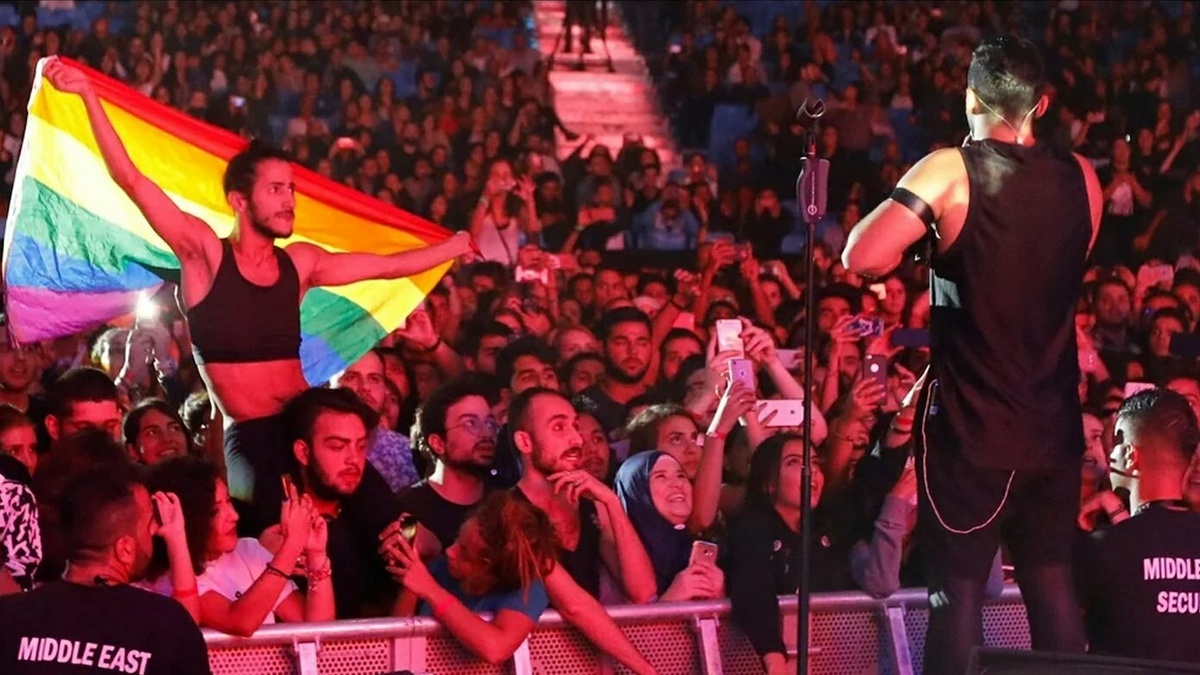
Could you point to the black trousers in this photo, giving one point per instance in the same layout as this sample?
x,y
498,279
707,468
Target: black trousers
x,y
965,513
257,455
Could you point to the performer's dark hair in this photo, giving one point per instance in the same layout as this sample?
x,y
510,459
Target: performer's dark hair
x,y
243,168
1006,73
1163,415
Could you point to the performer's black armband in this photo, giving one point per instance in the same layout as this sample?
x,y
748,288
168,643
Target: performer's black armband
x,y
918,206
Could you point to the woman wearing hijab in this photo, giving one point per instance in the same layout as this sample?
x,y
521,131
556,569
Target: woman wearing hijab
x,y
655,491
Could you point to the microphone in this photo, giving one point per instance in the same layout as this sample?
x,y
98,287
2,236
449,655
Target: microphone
x,y
811,108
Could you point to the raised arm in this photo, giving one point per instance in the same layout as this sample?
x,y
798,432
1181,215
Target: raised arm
x,y
318,267
877,243
188,237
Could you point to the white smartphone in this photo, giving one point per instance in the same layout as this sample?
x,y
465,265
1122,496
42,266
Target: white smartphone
x,y
703,553
729,336
742,370
790,358
788,413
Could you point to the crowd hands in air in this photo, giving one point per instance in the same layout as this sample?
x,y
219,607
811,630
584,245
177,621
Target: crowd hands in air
x,y
566,422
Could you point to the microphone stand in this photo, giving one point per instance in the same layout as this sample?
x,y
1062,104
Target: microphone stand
x,y
811,196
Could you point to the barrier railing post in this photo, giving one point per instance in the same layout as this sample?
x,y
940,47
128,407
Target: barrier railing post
x,y
710,645
522,663
897,633
306,656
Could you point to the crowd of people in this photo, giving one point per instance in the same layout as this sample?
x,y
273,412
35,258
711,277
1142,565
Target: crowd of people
x,y
566,423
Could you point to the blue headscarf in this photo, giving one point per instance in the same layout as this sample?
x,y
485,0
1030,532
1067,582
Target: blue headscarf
x,y
668,546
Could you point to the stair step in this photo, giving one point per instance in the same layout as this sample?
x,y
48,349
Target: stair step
x,y
593,101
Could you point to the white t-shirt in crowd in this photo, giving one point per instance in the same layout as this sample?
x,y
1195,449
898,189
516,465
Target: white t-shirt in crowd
x,y
233,573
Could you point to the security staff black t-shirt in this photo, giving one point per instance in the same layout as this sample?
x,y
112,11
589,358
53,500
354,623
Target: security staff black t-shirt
x,y
71,629
1140,586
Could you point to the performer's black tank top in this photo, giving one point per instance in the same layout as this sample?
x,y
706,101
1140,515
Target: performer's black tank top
x,y
1003,318
241,322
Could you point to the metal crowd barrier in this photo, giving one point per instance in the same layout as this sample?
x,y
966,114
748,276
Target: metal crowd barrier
x,y
852,634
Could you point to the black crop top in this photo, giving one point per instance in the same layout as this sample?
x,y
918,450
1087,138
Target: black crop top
x,y
242,322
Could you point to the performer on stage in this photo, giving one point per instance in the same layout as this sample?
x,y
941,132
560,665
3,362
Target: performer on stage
x,y
999,432
242,294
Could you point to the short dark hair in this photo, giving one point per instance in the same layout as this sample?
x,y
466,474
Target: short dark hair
x,y
133,419
472,339
1164,416
430,419
243,167
196,411
617,316
523,346
98,506
301,413
679,334
1006,73
194,481
11,417
78,385
642,430
518,409
568,368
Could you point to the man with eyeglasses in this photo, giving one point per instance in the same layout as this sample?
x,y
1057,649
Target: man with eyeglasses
x,y
457,432
1139,580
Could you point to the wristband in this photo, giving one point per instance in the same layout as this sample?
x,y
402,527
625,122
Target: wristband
x,y
319,575
271,569
902,430
717,435
435,346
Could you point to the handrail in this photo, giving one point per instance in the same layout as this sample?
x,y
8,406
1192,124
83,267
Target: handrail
x,y
422,626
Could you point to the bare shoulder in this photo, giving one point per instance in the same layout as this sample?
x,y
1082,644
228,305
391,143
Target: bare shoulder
x,y
1095,192
305,257
935,176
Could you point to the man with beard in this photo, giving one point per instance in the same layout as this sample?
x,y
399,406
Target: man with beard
x,y
592,527
110,525
628,347
457,432
390,452
329,431
242,294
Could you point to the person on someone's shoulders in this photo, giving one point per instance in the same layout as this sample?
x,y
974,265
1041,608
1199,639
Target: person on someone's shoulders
x,y
110,539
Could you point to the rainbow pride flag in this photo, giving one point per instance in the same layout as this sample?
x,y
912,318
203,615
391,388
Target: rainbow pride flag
x,y
77,252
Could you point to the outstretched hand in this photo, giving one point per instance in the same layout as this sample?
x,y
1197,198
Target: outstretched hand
x,y
65,78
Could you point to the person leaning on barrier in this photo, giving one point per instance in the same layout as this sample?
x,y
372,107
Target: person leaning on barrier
x,y
1139,580
764,546
94,618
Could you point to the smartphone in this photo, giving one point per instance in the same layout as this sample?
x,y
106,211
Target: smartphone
x,y
742,370
788,413
729,336
1162,276
237,101
742,251
866,326
910,338
1132,388
875,369
880,291
408,527
525,274
792,359
703,553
